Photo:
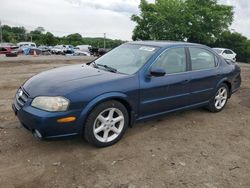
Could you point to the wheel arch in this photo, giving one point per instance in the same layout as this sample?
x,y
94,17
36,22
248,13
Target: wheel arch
x,y
228,83
120,97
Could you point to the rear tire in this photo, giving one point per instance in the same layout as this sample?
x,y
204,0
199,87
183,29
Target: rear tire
x,y
106,124
11,55
219,100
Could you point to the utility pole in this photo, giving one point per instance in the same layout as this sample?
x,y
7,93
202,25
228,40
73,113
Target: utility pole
x,y
104,40
30,38
1,33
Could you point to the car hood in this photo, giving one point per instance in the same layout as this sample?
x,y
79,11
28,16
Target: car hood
x,y
68,79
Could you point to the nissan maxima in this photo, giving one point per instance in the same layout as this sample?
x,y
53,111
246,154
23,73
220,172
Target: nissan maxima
x,y
133,82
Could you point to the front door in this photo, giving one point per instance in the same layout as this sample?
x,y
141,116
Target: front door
x,y
159,95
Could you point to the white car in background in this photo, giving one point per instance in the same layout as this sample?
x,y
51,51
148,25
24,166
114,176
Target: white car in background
x,y
26,44
84,48
79,52
58,49
226,53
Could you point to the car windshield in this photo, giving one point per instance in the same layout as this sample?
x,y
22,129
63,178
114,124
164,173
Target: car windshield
x,y
217,50
58,47
127,58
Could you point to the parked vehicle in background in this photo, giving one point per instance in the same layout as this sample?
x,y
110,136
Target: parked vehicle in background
x,y
5,50
31,51
7,44
102,51
9,51
26,44
44,48
226,53
34,51
94,51
98,51
133,82
58,49
78,52
69,49
84,48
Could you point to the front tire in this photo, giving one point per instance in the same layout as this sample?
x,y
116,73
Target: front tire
x,y
219,100
106,124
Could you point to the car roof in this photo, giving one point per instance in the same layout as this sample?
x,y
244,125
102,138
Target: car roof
x,y
163,43
222,48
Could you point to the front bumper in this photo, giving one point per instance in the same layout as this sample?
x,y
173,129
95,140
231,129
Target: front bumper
x,y
46,122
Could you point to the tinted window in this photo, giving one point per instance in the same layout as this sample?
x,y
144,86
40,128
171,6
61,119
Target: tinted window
x,y
202,59
172,61
3,49
228,52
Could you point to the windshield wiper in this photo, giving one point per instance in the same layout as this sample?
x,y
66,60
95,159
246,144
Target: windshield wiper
x,y
111,69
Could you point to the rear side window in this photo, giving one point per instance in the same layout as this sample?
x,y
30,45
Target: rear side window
x,y
172,61
202,59
228,52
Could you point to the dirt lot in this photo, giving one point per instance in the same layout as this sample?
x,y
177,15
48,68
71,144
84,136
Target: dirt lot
x,y
188,149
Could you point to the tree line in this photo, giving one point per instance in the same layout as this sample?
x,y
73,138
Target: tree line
x,y
199,21
41,37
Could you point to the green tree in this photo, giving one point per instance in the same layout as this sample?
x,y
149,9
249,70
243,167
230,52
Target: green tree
x,y
36,36
144,22
74,39
207,20
18,34
192,20
40,29
49,39
13,34
99,42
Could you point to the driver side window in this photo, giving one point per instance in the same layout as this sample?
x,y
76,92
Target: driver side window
x,y
172,61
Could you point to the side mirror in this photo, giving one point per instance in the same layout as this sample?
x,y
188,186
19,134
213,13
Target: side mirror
x,y
157,72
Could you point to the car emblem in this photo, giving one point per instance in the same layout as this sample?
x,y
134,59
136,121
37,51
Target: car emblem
x,y
19,93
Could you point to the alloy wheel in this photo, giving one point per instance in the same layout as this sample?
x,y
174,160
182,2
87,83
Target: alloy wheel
x,y
108,125
220,98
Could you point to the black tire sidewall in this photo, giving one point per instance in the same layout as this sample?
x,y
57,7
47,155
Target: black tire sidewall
x,y
89,125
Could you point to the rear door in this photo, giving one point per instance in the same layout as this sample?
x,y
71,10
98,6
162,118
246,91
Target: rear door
x,y
205,74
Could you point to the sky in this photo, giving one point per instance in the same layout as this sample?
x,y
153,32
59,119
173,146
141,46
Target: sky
x,y
93,18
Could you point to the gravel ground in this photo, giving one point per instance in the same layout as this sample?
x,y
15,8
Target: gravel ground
x,y
188,149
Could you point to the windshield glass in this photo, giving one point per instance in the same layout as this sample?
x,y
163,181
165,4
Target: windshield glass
x,y
127,58
217,50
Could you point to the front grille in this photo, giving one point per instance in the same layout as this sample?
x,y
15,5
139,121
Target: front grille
x,y
21,98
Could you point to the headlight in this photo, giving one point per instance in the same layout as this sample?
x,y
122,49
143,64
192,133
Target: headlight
x,y
53,104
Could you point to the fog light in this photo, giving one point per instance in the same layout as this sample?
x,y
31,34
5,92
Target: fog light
x,y
37,134
66,120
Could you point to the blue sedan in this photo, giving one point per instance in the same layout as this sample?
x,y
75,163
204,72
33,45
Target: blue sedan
x,y
133,82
